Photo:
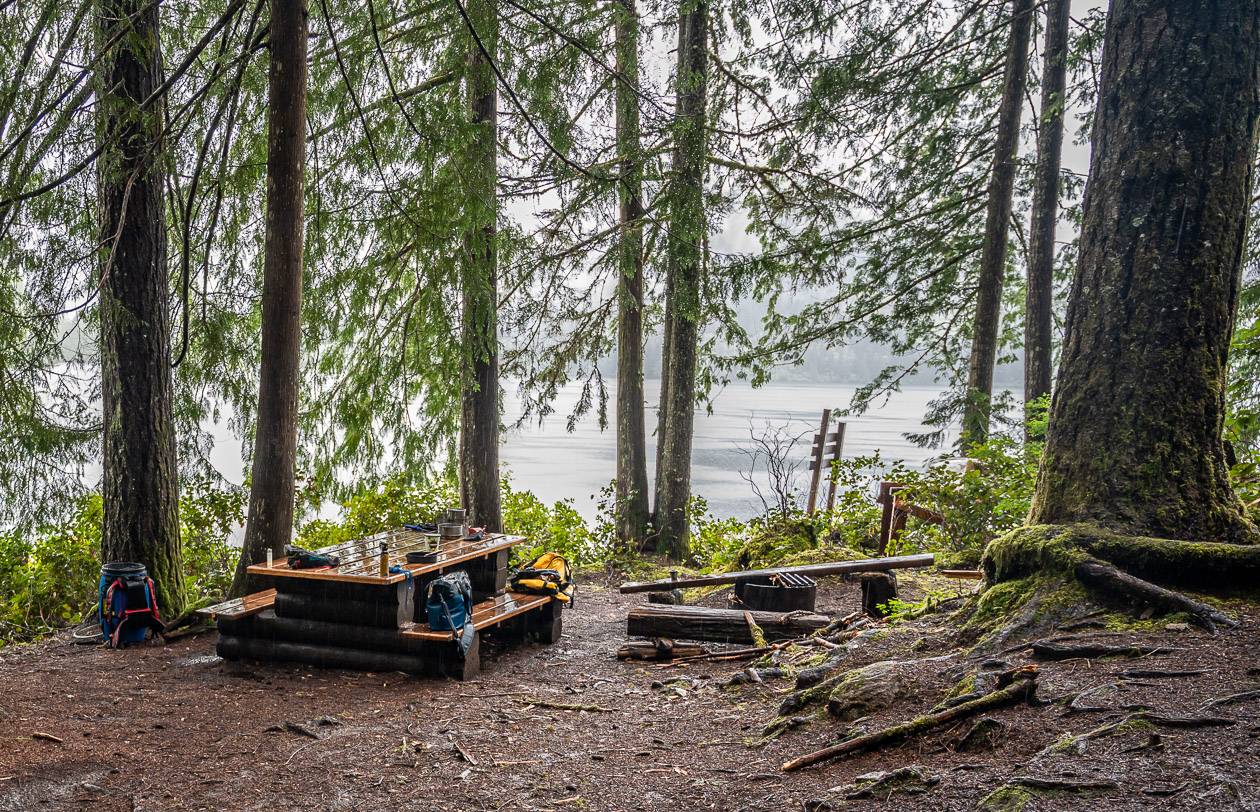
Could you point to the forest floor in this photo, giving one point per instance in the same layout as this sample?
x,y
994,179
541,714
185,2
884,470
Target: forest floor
x,y
174,727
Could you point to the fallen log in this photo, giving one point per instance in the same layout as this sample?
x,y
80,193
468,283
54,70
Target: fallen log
x,y
829,568
719,625
662,648
1021,688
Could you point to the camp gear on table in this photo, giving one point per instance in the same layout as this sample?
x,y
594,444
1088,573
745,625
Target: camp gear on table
x,y
422,557
450,532
300,559
126,605
548,574
475,534
456,516
422,527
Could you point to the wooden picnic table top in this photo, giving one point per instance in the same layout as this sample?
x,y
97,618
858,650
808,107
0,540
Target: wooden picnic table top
x,y
360,558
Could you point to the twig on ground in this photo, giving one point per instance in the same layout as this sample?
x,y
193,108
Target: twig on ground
x,y
540,703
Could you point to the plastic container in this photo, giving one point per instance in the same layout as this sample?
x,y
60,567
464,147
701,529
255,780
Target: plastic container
x,y
129,572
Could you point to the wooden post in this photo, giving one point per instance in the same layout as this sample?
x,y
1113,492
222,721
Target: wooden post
x,y
816,466
836,451
885,498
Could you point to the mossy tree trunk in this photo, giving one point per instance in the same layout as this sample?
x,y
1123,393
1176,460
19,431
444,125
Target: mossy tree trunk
x,y
479,418
1039,292
139,481
988,315
269,524
687,225
632,487
1134,440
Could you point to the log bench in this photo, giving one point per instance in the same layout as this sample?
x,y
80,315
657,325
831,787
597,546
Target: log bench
x,y
413,648
238,608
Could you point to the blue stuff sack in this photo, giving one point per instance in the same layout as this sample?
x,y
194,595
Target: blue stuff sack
x,y
448,601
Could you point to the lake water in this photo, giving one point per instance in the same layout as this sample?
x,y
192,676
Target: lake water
x,y
557,464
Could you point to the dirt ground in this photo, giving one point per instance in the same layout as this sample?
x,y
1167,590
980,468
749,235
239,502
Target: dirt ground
x,y
174,727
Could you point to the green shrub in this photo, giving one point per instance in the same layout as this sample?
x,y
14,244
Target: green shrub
x,y
207,517
49,576
374,510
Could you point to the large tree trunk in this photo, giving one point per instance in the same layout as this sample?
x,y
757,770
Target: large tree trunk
x,y
984,336
687,226
632,495
1039,294
1134,442
269,525
479,424
139,481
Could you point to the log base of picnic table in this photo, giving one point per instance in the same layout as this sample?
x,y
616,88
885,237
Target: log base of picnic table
x,y
352,617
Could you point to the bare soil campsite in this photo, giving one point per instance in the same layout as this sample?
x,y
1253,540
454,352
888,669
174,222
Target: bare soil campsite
x,y
569,726
286,284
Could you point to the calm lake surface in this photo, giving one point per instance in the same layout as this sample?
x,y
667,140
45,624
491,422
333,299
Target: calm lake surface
x,y
557,464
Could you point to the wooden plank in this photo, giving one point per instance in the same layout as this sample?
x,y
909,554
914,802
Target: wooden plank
x,y
240,607
831,486
966,575
816,466
829,568
366,571
485,614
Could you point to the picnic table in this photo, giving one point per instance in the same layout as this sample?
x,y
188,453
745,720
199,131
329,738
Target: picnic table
x,y
351,616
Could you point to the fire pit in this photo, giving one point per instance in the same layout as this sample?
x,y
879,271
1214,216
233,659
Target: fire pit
x,y
780,592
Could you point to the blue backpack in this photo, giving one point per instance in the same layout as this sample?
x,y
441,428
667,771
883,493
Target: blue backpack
x,y
126,605
448,600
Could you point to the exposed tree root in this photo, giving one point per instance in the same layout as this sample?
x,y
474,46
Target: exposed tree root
x,y
1146,673
1021,687
1232,699
1133,721
1106,577
1091,650
1046,575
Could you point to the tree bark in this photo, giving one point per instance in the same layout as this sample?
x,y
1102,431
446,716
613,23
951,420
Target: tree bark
x,y
139,481
685,240
632,493
1039,292
269,524
984,334
1134,441
479,419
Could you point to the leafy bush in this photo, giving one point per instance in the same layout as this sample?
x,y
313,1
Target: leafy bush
x,y
49,576
207,517
49,580
397,502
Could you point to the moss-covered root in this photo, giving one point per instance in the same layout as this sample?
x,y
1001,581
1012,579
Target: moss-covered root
x,y
1105,577
1027,564
1048,548
1016,794
1021,688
